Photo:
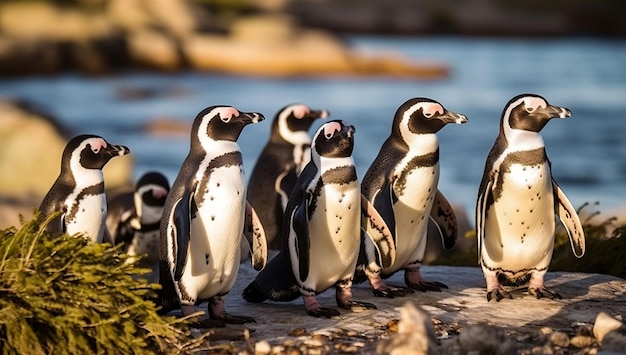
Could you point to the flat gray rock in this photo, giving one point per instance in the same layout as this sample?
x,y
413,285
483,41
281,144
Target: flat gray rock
x,y
464,303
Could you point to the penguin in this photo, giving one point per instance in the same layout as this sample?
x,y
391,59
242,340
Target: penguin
x,y
518,200
78,193
281,160
401,183
321,230
134,218
205,218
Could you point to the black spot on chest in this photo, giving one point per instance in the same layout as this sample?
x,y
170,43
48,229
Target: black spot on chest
x,y
427,160
339,176
222,161
529,158
93,190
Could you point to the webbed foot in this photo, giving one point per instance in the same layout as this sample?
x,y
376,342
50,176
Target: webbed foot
x,y
357,306
391,292
499,293
541,292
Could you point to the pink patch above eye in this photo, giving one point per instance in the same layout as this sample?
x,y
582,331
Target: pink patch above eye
x,y
97,144
532,103
331,128
430,109
226,113
159,192
299,111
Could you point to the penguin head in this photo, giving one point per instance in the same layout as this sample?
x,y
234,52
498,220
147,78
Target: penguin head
x,y
422,116
334,139
221,123
152,188
89,151
150,195
295,118
530,112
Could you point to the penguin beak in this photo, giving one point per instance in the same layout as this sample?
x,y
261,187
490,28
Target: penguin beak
x,y
319,113
453,117
556,111
117,150
251,117
350,130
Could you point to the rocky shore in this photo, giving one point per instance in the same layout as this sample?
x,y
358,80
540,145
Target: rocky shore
x,y
588,320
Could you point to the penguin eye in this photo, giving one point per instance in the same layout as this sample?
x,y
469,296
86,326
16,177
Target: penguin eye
x,y
530,109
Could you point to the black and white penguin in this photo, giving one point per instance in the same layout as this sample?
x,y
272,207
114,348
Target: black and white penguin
x,y
205,216
402,183
134,218
78,193
517,202
275,172
321,230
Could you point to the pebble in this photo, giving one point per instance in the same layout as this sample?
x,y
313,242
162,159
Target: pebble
x,y
559,339
262,347
581,341
604,324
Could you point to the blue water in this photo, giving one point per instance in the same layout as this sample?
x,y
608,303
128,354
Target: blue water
x,y
588,151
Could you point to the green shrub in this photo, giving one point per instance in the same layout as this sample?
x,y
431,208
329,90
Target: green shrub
x,y
66,295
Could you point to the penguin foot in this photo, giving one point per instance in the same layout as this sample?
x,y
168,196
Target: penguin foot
x,y
357,306
319,311
232,319
206,323
499,293
391,292
427,286
541,292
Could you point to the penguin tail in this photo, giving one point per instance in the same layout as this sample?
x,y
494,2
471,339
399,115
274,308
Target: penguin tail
x,y
275,282
359,275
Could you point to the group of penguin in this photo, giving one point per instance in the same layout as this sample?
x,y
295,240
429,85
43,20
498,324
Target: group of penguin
x,y
304,198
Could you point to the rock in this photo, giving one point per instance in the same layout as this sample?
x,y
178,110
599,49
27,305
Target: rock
x,y
605,324
262,347
559,339
154,49
485,340
415,334
614,341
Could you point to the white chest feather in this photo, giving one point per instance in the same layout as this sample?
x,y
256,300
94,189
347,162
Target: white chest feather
x,y
520,225
415,188
89,218
216,232
334,232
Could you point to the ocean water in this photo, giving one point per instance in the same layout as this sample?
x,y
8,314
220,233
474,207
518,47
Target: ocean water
x,y
588,76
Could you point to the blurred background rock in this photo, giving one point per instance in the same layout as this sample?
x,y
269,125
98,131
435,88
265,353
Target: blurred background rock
x,y
285,37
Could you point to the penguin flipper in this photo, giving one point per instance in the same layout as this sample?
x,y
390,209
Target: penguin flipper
x,y
182,215
255,235
286,182
484,197
570,220
376,228
445,220
302,243
276,282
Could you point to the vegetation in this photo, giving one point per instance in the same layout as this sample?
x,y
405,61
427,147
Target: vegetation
x,y
66,295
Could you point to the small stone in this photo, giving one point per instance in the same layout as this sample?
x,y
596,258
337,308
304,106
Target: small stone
x,y
290,343
262,347
615,341
278,349
316,343
559,339
546,331
297,332
581,341
604,324
392,325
